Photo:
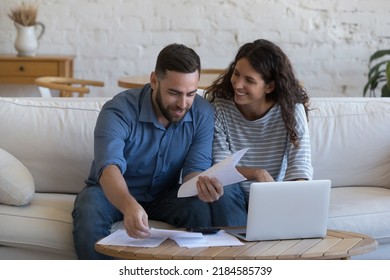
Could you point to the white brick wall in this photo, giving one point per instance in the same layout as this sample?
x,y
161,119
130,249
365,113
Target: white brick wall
x,y
328,42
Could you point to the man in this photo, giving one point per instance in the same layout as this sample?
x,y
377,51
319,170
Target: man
x,y
145,141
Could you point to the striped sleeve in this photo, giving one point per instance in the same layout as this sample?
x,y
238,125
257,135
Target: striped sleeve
x,y
299,158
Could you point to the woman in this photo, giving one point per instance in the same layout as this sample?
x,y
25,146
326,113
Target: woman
x,y
259,104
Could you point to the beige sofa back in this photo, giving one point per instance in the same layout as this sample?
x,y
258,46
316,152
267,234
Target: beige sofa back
x,y
350,140
53,138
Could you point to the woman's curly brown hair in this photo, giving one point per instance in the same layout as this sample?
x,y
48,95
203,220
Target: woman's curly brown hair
x,y
273,65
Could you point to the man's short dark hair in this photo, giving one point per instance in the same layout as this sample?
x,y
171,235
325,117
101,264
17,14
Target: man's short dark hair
x,y
178,58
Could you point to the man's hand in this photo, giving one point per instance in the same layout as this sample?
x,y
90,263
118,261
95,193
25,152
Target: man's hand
x,y
135,221
209,189
135,218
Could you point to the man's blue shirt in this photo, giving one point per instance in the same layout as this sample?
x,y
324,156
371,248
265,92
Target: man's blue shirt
x,y
150,156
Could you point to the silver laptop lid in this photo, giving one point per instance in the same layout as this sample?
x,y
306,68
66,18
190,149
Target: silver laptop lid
x,y
288,210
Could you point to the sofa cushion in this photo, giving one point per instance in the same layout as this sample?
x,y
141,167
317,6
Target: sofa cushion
x,y
52,137
44,224
363,209
16,182
350,140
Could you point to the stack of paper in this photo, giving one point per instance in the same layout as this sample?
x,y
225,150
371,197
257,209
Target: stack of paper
x,y
182,238
120,238
209,240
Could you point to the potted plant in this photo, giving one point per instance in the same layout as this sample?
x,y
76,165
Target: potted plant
x,y
379,74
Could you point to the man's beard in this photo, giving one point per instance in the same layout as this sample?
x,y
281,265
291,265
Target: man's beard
x,y
165,111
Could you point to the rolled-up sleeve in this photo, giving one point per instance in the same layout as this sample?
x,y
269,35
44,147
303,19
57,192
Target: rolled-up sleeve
x,y
110,134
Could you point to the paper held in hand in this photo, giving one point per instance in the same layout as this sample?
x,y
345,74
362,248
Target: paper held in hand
x,y
225,171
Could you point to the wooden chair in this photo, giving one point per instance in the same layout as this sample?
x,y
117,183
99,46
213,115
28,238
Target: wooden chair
x,y
66,86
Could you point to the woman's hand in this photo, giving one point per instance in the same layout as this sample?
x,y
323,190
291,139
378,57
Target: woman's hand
x,y
262,175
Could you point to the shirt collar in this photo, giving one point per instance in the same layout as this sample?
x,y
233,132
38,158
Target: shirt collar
x,y
147,107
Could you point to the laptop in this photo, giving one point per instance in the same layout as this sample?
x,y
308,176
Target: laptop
x,y
286,210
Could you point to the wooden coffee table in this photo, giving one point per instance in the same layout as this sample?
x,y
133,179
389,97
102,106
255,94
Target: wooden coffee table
x,y
336,245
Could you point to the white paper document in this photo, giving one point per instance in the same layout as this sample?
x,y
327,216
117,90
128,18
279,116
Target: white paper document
x,y
210,240
225,171
169,233
157,236
182,238
120,238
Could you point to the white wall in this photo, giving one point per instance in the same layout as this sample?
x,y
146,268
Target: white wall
x,y
329,42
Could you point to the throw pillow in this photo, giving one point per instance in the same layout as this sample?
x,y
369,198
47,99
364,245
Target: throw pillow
x,y
16,182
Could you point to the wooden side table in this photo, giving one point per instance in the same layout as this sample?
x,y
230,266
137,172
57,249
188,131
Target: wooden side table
x,y
24,70
336,245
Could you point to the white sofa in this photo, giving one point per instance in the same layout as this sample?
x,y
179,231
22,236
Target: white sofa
x,y
53,139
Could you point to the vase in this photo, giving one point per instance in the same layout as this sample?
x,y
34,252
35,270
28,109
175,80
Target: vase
x,y
27,38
